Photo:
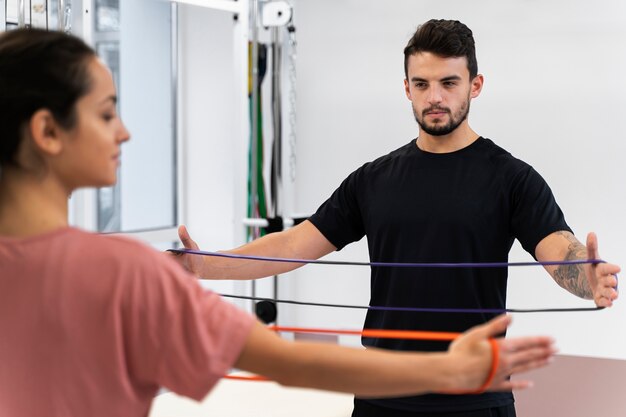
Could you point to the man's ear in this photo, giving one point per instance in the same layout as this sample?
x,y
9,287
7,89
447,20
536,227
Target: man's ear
x,y
407,89
45,132
477,85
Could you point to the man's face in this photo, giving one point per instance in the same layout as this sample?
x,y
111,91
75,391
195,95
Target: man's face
x,y
440,91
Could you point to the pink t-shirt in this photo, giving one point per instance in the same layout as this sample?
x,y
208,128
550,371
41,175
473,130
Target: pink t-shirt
x,y
93,325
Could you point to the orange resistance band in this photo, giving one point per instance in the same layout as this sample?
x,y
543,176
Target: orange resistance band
x,y
382,334
389,334
495,362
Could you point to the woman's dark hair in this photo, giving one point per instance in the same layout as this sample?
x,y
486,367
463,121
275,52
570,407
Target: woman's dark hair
x,y
39,70
445,38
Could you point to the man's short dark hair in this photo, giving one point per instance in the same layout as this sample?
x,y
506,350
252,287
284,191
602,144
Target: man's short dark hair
x,y
445,38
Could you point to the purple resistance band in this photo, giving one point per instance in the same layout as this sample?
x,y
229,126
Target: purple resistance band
x,y
387,264
403,265
419,309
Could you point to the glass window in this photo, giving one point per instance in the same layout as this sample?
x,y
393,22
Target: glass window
x,y
107,15
134,39
109,204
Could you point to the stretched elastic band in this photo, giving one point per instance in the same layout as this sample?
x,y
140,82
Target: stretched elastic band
x,y
389,264
390,334
246,377
420,309
495,362
380,333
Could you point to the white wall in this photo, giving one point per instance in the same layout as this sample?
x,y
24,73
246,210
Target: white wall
x,y
553,96
209,129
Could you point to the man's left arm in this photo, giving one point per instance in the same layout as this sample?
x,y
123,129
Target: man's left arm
x,y
590,281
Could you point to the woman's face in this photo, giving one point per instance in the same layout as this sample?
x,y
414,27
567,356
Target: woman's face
x,y
91,149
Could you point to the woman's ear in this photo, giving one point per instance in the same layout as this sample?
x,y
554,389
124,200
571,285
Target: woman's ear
x,y
45,132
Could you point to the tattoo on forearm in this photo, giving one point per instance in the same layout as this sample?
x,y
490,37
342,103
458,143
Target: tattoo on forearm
x,y
572,277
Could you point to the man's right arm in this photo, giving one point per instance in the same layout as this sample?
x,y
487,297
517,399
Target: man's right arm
x,y
303,241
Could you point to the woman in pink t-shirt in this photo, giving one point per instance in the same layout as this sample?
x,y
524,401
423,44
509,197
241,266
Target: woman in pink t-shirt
x,y
94,325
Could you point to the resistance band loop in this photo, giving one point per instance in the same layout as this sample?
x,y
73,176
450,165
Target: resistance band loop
x,y
495,363
246,377
389,334
379,333
419,309
386,334
389,264
399,334
406,265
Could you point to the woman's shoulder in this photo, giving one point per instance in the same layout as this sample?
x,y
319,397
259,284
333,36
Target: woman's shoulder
x,y
114,250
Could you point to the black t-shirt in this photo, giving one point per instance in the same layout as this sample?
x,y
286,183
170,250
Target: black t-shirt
x,y
415,206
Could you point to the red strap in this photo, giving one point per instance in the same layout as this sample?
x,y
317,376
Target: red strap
x,y
391,334
379,333
495,362
246,377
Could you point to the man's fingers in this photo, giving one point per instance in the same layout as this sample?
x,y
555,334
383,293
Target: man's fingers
x,y
606,291
183,234
605,301
608,269
592,246
609,292
608,273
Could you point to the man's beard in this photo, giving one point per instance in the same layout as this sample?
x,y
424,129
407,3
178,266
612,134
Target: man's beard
x,y
441,130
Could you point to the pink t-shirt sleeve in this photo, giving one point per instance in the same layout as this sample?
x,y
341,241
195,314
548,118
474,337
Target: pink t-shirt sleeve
x,y
178,334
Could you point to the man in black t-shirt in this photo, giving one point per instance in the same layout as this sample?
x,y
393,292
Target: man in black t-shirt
x,y
449,195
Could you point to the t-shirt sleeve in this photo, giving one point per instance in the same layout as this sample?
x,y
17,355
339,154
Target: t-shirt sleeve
x,y
177,334
536,213
340,218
